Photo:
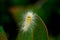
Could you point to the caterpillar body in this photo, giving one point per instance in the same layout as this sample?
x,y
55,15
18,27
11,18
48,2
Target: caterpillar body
x,y
28,20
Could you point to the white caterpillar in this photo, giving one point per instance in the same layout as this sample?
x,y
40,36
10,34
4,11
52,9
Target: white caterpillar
x,y
28,20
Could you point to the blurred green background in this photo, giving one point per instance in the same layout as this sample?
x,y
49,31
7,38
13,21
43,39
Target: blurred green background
x,y
49,12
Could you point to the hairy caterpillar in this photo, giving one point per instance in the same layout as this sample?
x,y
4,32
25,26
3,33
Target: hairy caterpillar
x,y
28,20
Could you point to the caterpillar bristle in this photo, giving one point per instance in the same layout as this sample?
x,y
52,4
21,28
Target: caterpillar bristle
x,y
28,20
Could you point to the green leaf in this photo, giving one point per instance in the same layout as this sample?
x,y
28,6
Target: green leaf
x,y
38,32
2,34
